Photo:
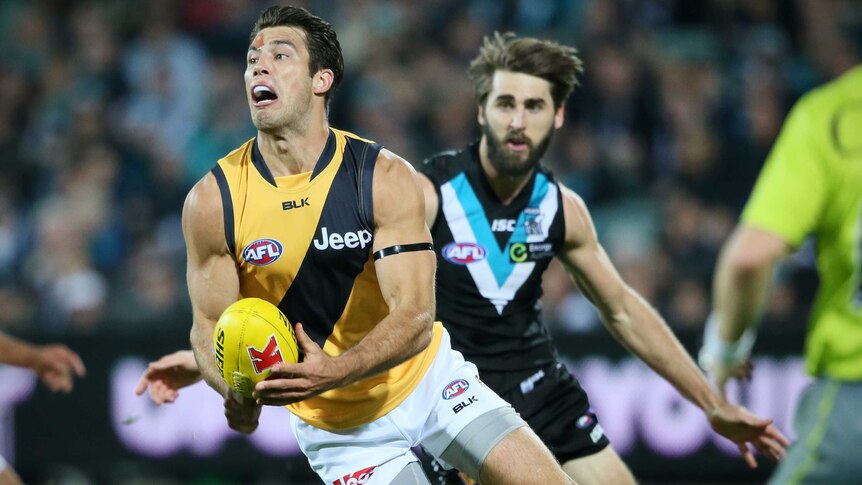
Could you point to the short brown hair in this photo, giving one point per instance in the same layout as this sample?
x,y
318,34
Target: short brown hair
x,y
556,63
324,50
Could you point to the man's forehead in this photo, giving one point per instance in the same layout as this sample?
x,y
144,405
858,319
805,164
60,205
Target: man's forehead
x,y
519,85
281,34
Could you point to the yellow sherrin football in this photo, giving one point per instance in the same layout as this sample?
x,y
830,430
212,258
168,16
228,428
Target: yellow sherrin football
x,y
251,336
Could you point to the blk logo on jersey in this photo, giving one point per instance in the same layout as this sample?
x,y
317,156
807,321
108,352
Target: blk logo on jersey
x,y
356,478
350,239
455,389
463,253
262,360
294,204
463,404
262,252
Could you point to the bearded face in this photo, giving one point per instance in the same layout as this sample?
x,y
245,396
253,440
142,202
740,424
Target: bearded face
x,y
518,120
515,154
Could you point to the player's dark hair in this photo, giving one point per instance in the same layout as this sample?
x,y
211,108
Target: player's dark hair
x,y
324,51
556,63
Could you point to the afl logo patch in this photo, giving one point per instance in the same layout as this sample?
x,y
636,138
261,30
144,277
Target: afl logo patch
x,y
262,252
584,421
455,389
463,253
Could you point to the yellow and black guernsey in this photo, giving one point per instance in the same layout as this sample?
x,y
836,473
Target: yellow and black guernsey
x,y
303,242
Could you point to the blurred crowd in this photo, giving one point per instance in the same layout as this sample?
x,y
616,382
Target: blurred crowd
x,y
110,110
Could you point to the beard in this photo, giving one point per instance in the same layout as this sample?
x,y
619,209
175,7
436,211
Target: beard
x,y
509,162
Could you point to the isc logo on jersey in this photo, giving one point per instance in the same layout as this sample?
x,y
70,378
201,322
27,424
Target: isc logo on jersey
x,y
463,253
262,252
455,388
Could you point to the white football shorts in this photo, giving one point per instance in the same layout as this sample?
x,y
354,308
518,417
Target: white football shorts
x,y
448,398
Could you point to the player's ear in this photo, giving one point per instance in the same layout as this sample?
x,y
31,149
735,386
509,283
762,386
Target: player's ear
x,y
322,81
481,115
559,117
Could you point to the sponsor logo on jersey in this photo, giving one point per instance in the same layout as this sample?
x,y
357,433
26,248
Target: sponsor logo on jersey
x,y
463,253
503,225
584,421
356,478
294,204
262,360
463,404
523,252
262,252
455,388
336,241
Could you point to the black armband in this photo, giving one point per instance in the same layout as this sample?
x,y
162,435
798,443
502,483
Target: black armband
x,y
403,248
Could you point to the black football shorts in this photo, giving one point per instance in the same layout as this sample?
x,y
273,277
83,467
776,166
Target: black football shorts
x,y
555,405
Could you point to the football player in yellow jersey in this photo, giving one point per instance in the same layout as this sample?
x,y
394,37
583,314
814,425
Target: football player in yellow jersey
x,y
55,364
308,217
811,185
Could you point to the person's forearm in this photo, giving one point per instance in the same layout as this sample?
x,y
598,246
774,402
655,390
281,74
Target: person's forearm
x,y
739,293
402,334
16,352
202,346
641,330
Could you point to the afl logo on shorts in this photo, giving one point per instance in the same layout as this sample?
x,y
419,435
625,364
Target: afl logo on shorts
x,y
584,421
463,253
262,252
455,389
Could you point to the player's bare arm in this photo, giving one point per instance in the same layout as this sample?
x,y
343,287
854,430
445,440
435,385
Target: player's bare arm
x,y
406,281
640,329
55,364
213,286
166,376
432,200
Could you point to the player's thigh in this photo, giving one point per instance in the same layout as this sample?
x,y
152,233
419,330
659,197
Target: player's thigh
x,y
602,468
372,454
520,458
557,408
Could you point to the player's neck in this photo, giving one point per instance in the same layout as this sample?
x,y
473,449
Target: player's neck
x,y
505,187
293,151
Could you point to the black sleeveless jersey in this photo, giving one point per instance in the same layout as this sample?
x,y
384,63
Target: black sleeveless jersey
x,y
490,260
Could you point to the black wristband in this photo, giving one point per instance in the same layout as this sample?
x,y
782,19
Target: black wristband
x,y
402,248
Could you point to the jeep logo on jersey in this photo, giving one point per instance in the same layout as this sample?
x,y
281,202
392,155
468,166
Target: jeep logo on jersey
x,y
455,389
358,239
262,360
463,253
262,252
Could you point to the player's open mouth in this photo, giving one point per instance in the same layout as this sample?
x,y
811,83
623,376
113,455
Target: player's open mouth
x,y
517,145
263,95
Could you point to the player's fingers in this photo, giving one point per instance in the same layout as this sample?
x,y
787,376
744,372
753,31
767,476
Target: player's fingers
x,y
747,455
304,340
143,384
777,435
77,363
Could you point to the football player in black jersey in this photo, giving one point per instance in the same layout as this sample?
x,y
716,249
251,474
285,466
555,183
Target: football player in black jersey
x,y
497,218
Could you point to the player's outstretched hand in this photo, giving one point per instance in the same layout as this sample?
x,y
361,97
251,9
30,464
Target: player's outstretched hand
x,y
166,376
290,383
242,413
57,366
743,428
